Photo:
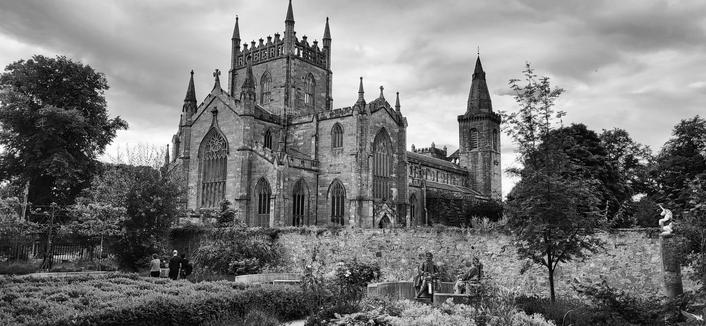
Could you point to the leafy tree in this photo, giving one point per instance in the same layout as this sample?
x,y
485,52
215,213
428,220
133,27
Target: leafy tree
x,y
54,124
150,207
630,158
553,208
681,159
585,150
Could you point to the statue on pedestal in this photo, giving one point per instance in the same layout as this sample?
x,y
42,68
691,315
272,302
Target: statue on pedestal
x,y
671,262
666,229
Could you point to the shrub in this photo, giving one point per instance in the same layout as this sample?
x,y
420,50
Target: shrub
x,y
618,307
238,251
120,299
351,279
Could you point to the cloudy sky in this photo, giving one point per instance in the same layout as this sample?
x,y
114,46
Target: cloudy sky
x,y
636,65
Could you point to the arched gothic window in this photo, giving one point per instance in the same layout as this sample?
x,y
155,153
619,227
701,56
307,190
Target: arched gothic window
x,y
268,139
300,203
265,88
474,138
337,198
262,200
337,136
213,157
309,87
496,139
382,166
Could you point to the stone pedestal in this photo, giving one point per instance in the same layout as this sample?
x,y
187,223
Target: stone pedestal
x,y
671,266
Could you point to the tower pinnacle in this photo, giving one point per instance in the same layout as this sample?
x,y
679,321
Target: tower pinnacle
x,y
290,13
236,30
190,91
361,93
479,97
249,82
397,102
327,32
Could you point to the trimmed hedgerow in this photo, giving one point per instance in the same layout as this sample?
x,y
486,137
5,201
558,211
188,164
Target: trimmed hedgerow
x,y
119,299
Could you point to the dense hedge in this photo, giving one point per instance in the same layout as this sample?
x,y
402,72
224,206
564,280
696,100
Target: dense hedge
x,y
120,299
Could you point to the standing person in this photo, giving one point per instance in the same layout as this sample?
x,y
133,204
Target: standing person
x,y
174,265
185,266
155,266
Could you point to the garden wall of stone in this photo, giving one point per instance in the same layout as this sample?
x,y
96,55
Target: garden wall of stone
x,y
631,261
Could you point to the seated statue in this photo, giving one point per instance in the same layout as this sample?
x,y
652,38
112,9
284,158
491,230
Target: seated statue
x,y
427,276
666,229
472,276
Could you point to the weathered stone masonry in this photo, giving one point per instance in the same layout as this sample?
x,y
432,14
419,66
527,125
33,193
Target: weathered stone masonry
x,y
275,147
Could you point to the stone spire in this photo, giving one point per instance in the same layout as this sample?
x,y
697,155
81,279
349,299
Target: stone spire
x,y
361,93
249,83
327,33
189,106
236,31
397,102
479,97
381,95
190,90
290,14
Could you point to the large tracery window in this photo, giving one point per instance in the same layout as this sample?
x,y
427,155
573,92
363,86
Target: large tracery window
x,y
300,203
309,90
382,166
337,136
213,169
262,197
474,138
265,88
337,198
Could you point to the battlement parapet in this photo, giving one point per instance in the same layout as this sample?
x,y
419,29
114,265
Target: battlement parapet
x,y
262,51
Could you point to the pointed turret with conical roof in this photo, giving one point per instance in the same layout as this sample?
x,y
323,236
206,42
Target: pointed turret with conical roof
x,y
290,14
361,94
479,97
189,107
289,29
247,91
479,138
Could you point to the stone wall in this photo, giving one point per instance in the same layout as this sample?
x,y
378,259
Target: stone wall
x,y
631,261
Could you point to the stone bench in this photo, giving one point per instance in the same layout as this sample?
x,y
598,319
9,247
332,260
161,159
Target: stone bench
x,y
267,278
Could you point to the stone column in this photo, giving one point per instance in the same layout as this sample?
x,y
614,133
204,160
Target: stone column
x,y
671,266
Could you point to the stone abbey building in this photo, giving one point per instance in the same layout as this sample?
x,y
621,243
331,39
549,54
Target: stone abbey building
x,y
273,145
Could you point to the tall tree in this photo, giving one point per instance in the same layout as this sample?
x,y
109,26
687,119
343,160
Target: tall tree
x,y
54,125
553,209
631,159
681,160
585,150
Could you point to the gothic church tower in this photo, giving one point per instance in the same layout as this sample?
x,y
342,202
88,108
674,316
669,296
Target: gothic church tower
x,y
479,138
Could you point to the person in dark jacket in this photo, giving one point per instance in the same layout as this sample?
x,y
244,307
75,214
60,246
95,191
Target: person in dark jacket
x,y
185,266
174,265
